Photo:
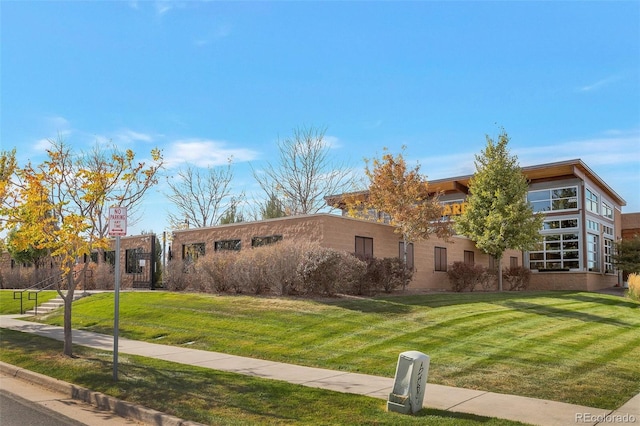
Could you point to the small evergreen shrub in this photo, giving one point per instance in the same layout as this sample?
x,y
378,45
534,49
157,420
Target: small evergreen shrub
x,y
518,277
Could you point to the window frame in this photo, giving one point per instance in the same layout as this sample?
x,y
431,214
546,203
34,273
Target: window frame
x,y
410,256
266,240
551,199
227,245
364,252
440,259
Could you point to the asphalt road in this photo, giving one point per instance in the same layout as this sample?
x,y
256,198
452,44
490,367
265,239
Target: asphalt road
x,y
17,411
26,404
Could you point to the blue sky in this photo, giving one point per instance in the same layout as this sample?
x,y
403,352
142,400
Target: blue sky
x,y
206,80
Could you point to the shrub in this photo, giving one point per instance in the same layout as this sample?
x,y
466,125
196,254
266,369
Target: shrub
x,y
103,276
634,286
282,260
214,271
518,277
177,275
372,279
465,276
327,271
395,274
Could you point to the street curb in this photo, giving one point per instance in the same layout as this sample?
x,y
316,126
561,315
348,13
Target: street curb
x,y
97,399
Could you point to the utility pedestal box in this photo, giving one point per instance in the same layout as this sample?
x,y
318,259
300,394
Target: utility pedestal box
x,y
410,382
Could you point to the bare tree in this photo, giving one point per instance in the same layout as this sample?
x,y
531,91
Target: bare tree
x,y
202,196
125,182
305,173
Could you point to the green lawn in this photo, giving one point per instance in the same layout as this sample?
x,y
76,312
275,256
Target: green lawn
x,y
574,347
213,397
9,305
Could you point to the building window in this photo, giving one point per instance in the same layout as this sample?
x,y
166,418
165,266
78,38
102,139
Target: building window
x,y
554,199
557,251
131,261
560,224
513,262
440,259
409,254
364,247
493,266
469,257
608,252
593,226
591,202
191,252
265,241
110,257
592,252
607,211
608,230
233,245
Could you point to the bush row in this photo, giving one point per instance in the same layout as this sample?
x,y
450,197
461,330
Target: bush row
x,y
287,268
470,277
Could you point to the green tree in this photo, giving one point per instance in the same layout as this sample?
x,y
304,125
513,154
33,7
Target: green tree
x,y
627,255
498,216
30,254
272,208
402,197
232,215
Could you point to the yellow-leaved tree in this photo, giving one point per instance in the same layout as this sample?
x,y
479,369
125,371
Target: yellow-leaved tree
x,y
59,206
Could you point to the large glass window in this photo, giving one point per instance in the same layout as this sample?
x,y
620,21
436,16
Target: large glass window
x,y
592,252
591,201
608,253
560,224
557,251
607,211
554,199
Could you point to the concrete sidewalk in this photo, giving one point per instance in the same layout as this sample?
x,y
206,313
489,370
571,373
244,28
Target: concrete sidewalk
x,y
527,410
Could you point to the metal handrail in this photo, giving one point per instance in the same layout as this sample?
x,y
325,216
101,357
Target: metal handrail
x,y
36,292
36,285
39,288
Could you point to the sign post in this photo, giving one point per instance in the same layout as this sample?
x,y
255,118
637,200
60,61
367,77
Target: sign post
x,y
117,228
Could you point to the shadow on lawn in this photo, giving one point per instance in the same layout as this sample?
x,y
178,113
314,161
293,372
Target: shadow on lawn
x,y
551,311
371,306
604,300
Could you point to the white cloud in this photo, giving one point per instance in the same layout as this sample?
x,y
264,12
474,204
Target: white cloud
x,y
613,148
204,153
129,136
599,84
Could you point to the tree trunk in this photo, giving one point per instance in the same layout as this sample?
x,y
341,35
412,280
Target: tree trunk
x,y
500,273
68,301
404,263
